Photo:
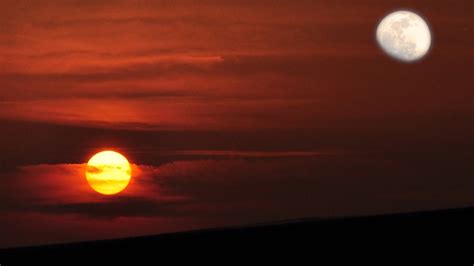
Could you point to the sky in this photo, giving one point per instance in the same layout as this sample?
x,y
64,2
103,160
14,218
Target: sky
x,y
231,113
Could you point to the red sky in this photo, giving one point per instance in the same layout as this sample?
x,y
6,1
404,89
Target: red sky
x,y
208,64
290,103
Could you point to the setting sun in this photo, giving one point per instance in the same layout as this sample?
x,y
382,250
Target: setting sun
x,y
108,172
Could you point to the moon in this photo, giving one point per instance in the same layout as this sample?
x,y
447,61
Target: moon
x,y
108,172
404,35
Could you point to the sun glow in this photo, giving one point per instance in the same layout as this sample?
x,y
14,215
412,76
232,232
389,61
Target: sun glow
x,y
108,172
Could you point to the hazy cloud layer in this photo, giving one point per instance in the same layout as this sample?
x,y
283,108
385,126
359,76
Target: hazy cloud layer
x,y
216,65
206,193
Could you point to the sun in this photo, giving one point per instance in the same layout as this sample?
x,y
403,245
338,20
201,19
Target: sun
x,y
108,172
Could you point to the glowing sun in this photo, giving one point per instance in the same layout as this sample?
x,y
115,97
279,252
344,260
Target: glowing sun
x,y
108,172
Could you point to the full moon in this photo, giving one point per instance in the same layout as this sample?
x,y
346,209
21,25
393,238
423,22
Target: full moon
x,y
108,172
404,35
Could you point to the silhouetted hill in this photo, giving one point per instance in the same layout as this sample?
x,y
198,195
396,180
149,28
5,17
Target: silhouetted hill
x,y
429,230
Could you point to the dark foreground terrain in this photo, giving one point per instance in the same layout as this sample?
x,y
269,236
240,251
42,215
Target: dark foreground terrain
x,y
431,233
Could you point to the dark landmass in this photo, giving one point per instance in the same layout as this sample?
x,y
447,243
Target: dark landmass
x,y
428,230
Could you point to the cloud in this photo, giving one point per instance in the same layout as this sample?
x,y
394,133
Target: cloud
x,y
184,195
117,207
222,92
239,65
262,187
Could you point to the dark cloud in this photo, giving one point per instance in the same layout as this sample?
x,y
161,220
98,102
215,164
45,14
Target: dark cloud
x,y
436,138
117,207
206,193
349,184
